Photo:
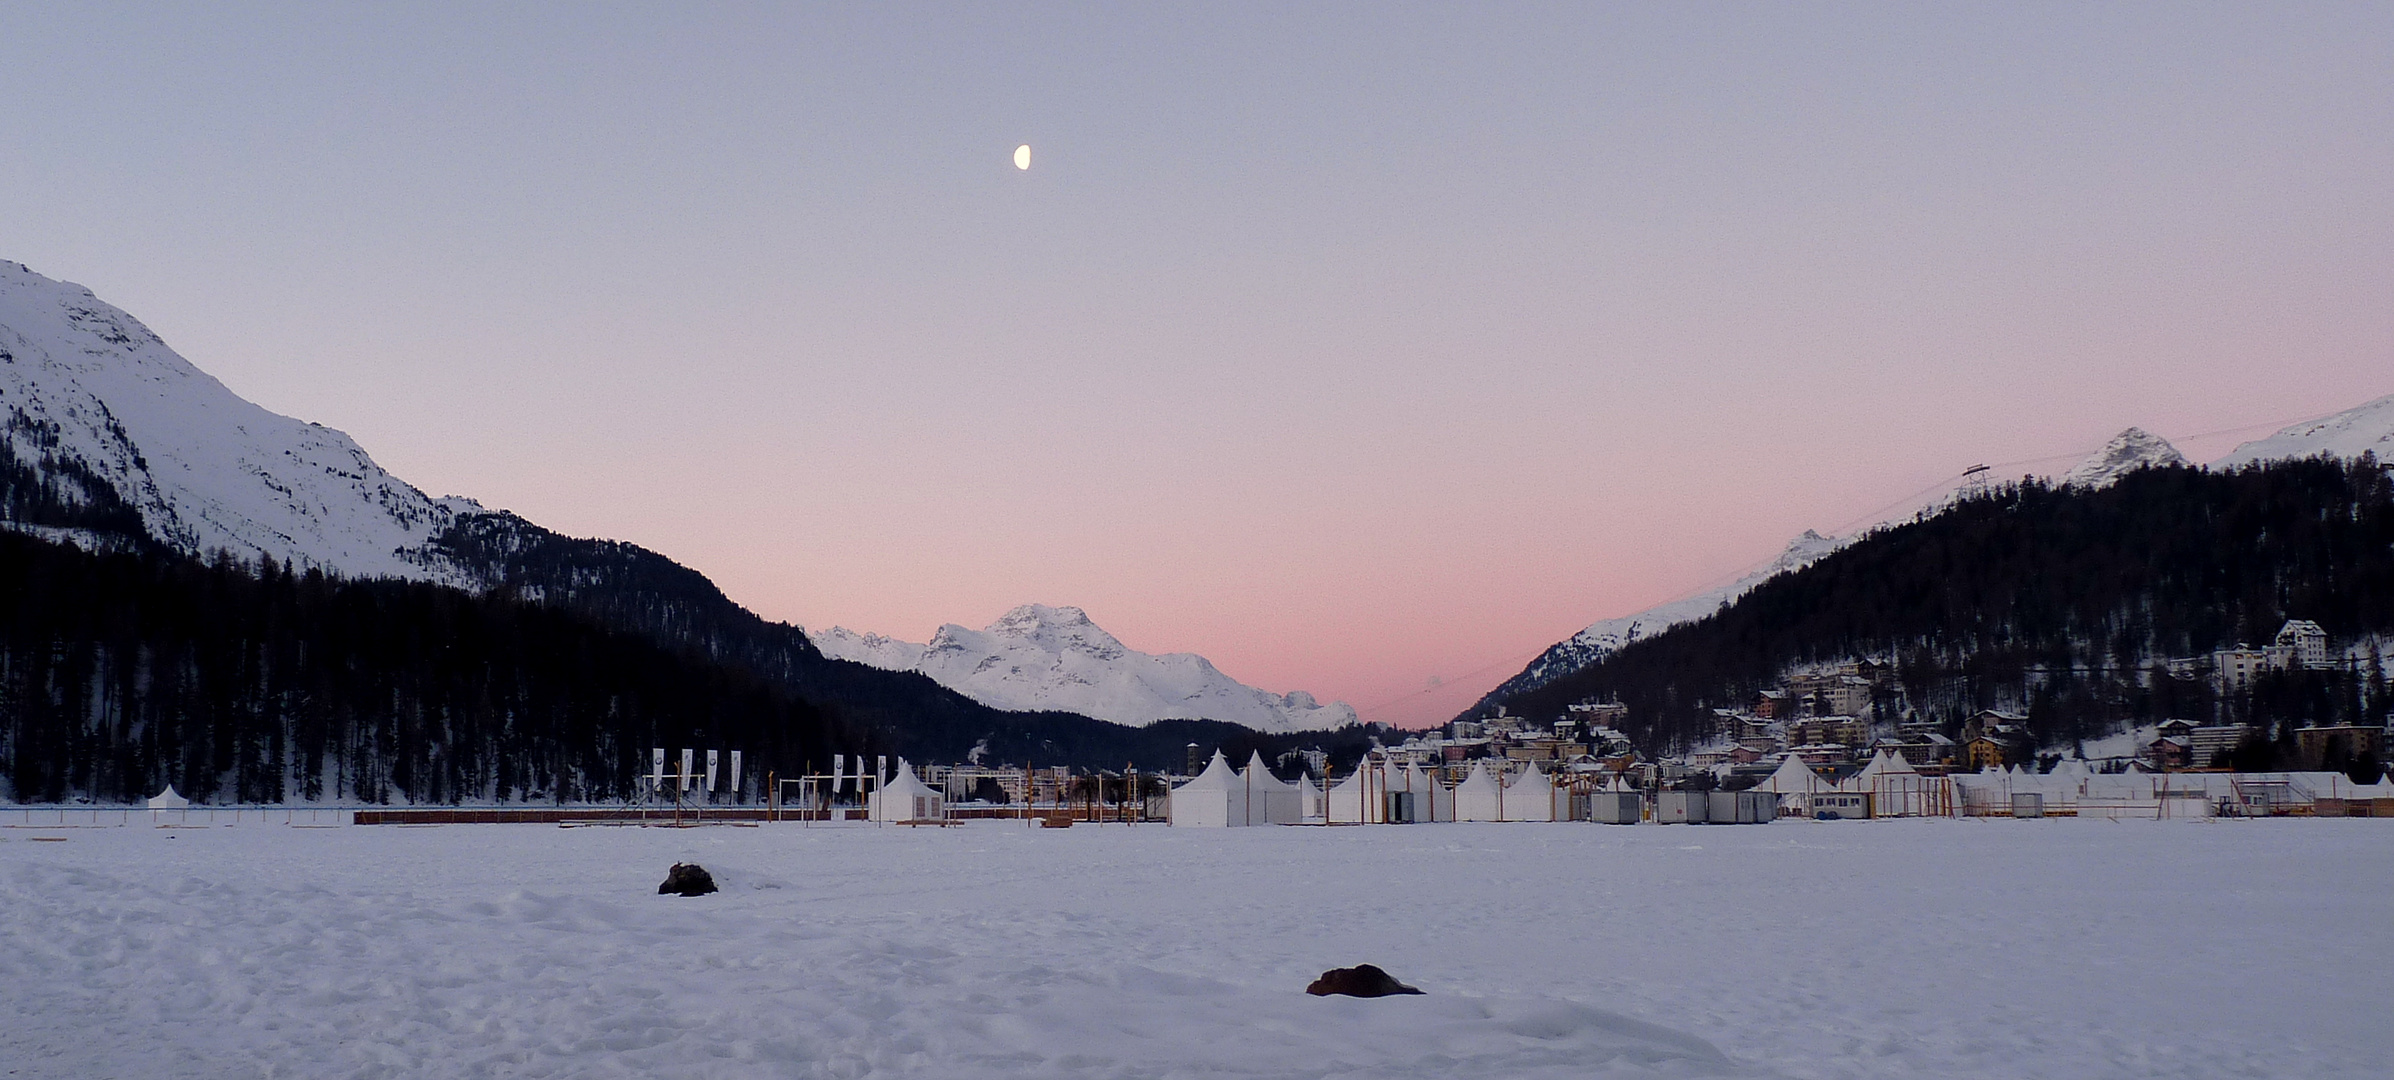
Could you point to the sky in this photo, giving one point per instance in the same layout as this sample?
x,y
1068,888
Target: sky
x,y
1363,349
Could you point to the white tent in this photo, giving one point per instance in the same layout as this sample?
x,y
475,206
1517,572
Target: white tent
x,y
1311,796
905,798
1530,797
1480,797
1267,800
1212,800
1795,783
1356,799
1431,800
168,800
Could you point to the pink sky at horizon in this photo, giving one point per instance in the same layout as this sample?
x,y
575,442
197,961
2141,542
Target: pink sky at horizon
x,y
1348,346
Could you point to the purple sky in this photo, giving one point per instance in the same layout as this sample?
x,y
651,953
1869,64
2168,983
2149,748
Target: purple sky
x,y
1349,347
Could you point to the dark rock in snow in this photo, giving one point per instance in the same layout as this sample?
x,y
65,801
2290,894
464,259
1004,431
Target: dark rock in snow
x,y
1362,980
691,879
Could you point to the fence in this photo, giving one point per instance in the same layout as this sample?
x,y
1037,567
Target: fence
x,y
191,817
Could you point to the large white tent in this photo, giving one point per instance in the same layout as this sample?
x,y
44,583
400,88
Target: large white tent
x,y
168,800
1213,799
1795,783
1355,800
1269,800
906,798
1480,797
1530,797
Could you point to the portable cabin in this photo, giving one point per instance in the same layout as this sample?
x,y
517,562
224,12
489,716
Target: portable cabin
x,y
1682,807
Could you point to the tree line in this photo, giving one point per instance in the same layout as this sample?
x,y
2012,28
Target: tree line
x,y
124,671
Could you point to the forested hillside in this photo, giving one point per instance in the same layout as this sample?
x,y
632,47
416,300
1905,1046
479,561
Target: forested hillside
x,y
122,672
125,671
2063,602
624,585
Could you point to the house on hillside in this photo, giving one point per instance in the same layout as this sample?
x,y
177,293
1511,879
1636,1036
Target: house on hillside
x,y
2300,643
1844,729
1983,752
2304,644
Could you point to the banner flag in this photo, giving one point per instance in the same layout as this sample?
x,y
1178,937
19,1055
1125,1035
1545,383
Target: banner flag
x,y
687,778
709,784
656,767
880,769
839,769
735,773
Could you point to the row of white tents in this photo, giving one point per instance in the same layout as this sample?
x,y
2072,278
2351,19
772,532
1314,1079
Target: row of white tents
x,y
1220,796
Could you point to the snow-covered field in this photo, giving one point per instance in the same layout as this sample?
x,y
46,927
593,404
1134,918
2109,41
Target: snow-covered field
x,y
1899,949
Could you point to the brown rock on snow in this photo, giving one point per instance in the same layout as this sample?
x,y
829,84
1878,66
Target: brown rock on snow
x,y
687,879
1362,980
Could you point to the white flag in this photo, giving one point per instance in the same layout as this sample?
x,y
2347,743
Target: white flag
x,y
880,769
710,774
839,767
735,773
656,766
687,778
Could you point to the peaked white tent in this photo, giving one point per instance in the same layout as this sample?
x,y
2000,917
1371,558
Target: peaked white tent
x,y
1267,799
1213,799
1355,800
906,798
1530,797
1795,783
1480,797
168,800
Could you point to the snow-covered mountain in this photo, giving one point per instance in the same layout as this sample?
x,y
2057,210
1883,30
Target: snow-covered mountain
x,y
2127,452
2366,429
1602,639
99,420
1040,657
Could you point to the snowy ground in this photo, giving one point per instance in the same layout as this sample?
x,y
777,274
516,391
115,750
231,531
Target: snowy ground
x,y
1897,949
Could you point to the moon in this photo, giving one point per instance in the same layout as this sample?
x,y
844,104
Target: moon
x,y
1022,156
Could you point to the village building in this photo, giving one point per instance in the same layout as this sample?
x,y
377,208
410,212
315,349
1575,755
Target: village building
x,y
1843,729
2304,643
2212,746
2316,746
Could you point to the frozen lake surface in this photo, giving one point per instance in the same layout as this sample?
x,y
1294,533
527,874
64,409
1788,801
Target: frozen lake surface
x,y
1898,949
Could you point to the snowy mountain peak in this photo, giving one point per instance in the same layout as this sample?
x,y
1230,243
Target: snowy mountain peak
x,y
2367,428
1040,657
1604,638
1057,629
105,428
1803,551
2127,452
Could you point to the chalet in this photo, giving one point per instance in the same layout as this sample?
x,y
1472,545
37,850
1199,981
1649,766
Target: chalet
x,y
2167,752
